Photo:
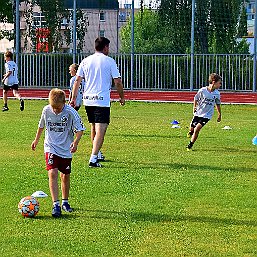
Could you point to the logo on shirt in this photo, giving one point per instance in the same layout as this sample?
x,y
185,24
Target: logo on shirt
x,y
94,97
64,118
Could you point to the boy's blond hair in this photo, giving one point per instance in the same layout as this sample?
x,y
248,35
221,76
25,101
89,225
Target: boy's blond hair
x,y
214,77
74,66
56,97
9,54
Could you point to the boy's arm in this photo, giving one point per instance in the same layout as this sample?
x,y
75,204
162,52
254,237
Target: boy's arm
x,y
75,90
74,144
219,112
8,74
194,106
37,137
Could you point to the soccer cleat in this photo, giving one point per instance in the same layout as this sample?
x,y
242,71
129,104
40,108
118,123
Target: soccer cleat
x,y
21,105
94,165
5,108
189,134
189,149
100,157
56,212
66,207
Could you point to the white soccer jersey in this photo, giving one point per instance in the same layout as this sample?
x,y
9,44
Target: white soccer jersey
x,y
13,78
60,128
98,70
80,92
206,101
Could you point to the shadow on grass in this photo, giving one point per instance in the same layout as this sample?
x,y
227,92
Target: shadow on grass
x,y
163,218
184,167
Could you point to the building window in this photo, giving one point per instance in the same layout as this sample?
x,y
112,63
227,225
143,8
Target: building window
x,y
101,33
102,16
39,20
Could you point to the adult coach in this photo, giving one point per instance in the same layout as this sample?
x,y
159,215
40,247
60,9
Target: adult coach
x,y
98,71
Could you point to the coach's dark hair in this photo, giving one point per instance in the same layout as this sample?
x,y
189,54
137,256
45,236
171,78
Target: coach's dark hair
x,y
101,43
214,77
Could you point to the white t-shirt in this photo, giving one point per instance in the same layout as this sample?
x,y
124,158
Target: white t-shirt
x,y
60,128
206,101
98,70
80,92
13,78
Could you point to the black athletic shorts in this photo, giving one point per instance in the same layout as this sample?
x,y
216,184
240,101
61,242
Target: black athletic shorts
x,y
196,120
96,114
14,86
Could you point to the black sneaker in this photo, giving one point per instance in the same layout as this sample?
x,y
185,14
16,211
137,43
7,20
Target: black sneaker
x,y
5,109
56,212
21,105
66,207
95,165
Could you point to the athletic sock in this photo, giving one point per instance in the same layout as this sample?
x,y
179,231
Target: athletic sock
x,y
5,105
56,203
93,158
64,201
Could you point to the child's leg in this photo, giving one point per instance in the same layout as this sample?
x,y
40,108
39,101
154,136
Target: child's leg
x,y
65,185
5,97
196,132
16,94
53,184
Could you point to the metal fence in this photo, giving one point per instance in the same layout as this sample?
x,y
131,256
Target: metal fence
x,y
151,71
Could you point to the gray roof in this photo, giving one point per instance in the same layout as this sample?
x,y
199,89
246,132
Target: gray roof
x,y
93,4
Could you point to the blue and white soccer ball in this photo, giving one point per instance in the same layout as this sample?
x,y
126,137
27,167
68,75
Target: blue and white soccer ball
x,y
254,141
28,206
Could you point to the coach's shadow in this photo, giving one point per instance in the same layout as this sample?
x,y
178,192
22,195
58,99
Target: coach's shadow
x,y
160,218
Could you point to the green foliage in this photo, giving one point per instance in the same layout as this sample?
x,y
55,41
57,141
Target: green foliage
x,y
152,198
217,26
6,11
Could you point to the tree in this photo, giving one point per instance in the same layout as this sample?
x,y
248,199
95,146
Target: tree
x,y
6,16
54,12
147,37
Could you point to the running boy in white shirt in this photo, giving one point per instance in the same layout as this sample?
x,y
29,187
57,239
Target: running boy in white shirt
x,y
10,80
204,102
73,70
60,121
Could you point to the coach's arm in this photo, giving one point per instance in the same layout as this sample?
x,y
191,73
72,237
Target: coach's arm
x,y
119,87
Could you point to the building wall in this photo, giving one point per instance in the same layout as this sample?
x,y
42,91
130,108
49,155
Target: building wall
x,y
5,44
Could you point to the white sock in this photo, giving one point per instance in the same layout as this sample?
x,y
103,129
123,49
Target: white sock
x,y
56,203
93,158
64,201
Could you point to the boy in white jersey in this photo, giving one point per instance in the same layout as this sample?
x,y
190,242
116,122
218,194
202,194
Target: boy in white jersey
x,y
204,102
98,70
73,70
10,80
60,121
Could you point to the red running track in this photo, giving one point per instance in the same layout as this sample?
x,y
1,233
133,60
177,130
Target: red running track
x,y
153,96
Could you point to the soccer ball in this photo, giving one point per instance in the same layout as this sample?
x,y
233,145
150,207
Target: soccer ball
x,y
28,206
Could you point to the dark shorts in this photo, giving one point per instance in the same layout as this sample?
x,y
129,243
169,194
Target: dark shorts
x,y
196,120
13,87
62,164
96,114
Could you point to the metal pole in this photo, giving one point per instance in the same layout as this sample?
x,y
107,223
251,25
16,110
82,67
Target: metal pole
x,y
74,36
255,49
192,46
132,43
17,31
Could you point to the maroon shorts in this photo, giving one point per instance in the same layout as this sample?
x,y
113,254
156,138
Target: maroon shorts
x,y
62,164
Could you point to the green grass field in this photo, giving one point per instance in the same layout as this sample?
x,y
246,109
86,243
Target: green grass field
x,y
152,198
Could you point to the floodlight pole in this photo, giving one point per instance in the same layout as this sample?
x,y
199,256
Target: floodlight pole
x,y
132,43
255,49
192,46
17,31
74,36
